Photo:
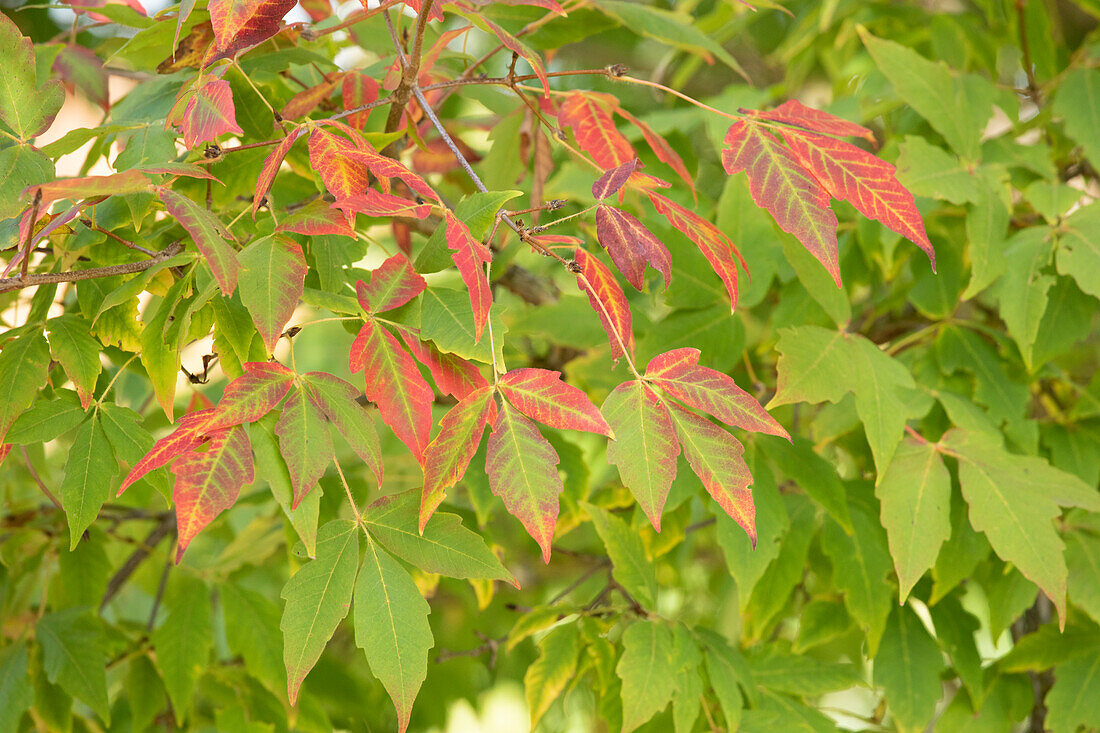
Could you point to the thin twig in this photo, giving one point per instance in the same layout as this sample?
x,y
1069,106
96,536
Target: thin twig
x,y
162,530
126,243
128,268
38,480
160,592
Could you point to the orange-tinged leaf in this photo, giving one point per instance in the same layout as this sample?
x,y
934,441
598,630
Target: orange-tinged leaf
x,y
208,483
342,169
392,284
317,10
190,433
631,245
716,458
251,395
449,453
394,383
304,441
678,373
209,113
614,179
209,235
791,194
373,203
130,181
358,90
793,112
720,252
271,168
541,395
595,131
434,13
660,148
645,445
314,219
863,180
522,470
609,302
306,101
386,168
239,24
337,400
452,374
470,256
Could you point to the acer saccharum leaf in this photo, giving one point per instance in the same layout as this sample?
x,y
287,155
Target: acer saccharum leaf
x,y
324,328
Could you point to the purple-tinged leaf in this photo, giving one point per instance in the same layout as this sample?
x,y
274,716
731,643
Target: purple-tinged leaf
x,y
631,245
614,179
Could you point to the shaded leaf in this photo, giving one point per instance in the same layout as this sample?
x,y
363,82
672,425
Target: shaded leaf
x,y
16,693
630,567
915,493
444,546
72,650
273,273
391,627
317,599
183,641
631,245
546,679
644,670
337,399
89,471
861,564
77,352
907,666
24,362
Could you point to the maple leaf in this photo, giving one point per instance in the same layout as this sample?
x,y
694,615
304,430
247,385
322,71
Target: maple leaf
x,y
470,257
209,235
337,400
451,373
660,148
645,445
595,131
720,252
304,442
373,203
273,277
449,453
791,194
191,432
306,101
522,470
609,302
793,112
716,458
337,161
314,219
208,483
392,284
678,374
209,113
271,168
358,90
863,180
251,395
614,179
240,24
541,395
386,168
394,383
631,245
75,189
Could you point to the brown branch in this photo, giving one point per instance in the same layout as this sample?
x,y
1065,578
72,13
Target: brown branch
x,y
17,283
38,480
165,527
125,243
1025,49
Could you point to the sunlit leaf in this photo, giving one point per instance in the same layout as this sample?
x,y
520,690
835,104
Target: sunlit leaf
x,y
541,395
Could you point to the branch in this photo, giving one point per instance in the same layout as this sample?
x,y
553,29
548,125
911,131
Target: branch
x,y
162,530
17,283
